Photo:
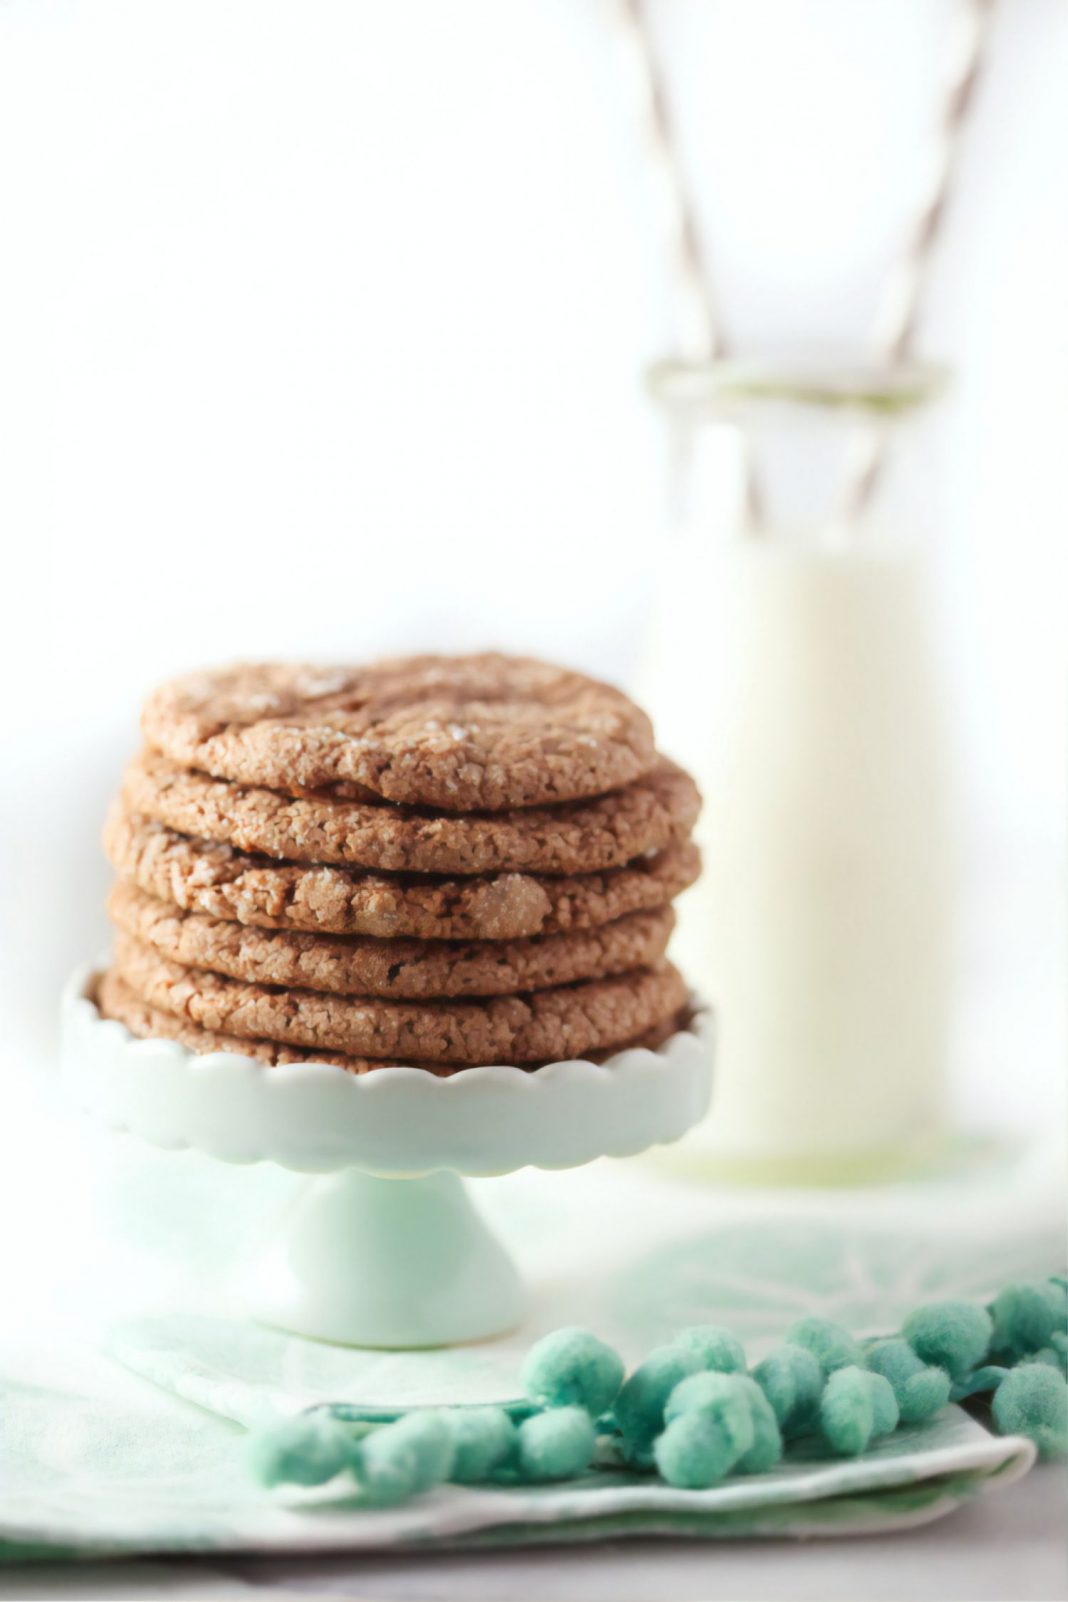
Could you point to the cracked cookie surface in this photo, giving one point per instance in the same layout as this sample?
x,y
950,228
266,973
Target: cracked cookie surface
x,y
547,1025
114,999
461,734
651,814
411,969
200,876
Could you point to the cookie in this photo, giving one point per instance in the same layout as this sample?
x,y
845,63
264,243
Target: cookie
x,y
409,969
461,734
199,876
115,999
652,814
544,1026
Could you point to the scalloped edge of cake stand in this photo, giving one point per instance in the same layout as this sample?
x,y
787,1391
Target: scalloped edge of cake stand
x,y
316,1118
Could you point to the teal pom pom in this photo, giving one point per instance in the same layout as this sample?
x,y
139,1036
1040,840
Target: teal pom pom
x,y
855,1407
792,1381
832,1346
400,1460
308,1449
895,1360
715,1348
1023,1317
556,1445
722,1399
766,1449
740,1412
639,1408
1055,1290
572,1368
1033,1400
924,1395
483,1440
847,1413
920,1391
885,1411
950,1335
1056,1352
693,1452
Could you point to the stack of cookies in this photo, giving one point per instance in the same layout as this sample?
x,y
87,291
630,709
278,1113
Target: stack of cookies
x,y
435,861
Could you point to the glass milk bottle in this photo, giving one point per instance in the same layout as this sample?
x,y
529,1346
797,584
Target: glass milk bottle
x,y
790,664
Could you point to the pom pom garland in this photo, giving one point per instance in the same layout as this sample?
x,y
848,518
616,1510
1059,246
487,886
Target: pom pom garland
x,y
692,1412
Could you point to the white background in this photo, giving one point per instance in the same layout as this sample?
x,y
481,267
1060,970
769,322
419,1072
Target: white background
x,y
321,331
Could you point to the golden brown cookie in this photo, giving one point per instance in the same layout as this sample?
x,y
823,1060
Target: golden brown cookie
x,y
202,877
411,969
461,733
652,814
544,1026
115,999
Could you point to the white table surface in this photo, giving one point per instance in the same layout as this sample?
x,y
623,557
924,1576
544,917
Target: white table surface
x,y
1009,1546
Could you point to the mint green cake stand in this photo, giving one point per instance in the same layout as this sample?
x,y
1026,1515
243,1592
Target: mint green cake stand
x,y
384,1247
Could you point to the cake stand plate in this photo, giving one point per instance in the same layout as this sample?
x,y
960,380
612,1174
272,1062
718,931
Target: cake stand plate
x,y
385,1248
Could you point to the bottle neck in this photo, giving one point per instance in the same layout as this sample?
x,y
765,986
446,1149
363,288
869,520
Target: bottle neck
x,y
785,451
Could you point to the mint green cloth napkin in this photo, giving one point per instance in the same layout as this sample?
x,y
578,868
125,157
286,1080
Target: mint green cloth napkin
x,y
100,1464
132,1444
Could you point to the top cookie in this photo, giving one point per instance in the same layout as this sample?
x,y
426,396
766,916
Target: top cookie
x,y
467,733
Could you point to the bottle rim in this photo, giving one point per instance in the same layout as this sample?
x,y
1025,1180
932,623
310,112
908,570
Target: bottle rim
x,y
729,386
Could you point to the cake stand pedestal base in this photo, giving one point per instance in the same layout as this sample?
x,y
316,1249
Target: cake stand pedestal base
x,y
392,1263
